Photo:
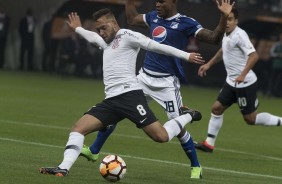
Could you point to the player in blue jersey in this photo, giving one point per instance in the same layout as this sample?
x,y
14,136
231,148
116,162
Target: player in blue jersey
x,y
160,77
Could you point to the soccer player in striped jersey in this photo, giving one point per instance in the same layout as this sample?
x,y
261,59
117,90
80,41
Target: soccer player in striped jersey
x,y
239,57
161,75
124,95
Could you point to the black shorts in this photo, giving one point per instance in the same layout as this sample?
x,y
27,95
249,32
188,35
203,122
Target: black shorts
x,y
131,105
245,97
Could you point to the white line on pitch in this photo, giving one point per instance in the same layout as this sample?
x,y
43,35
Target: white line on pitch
x,y
149,159
137,137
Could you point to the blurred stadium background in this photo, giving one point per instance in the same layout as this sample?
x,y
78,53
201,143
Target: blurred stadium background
x,y
261,19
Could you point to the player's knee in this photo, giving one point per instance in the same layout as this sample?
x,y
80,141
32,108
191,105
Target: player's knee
x,y
217,108
216,111
160,138
80,129
249,120
74,129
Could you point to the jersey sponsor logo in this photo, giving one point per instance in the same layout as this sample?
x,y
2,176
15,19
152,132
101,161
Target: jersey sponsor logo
x,y
174,25
159,34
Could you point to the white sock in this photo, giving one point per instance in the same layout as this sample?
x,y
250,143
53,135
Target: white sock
x,y
215,124
72,151
267,119
173,126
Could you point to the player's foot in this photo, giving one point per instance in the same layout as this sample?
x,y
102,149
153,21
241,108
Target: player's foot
x,y
196,172
85,152
54,171
196,115
204,146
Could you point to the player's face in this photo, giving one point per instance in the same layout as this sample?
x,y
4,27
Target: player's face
x,y
106,28
165,8
231,23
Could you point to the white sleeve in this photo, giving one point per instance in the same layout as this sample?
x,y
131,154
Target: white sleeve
x,y
167,50
139,40
144,19
245,44
91,37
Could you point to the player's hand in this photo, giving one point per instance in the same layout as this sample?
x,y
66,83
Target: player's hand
x,y
74,20
225,7
239,79
203,70
196,58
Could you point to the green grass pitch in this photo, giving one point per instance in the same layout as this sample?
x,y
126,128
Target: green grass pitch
x,y
37,110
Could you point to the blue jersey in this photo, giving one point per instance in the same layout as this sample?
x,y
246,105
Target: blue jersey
x,y
175,32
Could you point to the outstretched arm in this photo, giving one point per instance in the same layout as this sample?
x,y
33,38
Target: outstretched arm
x,y
74,21
216,35
133,18
75,24
215,59
171,51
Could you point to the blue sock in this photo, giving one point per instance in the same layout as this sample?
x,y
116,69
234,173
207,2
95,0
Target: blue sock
x,y
188,147
101,139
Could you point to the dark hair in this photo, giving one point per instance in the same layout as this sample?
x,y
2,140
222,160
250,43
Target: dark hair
x,y
103,12
235,12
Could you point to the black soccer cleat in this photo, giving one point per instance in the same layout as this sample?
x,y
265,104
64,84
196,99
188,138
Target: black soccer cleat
x,y
204,146
196,115
54,171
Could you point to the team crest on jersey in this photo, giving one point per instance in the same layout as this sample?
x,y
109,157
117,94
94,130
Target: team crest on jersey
x,y
159,34
174,25
116,43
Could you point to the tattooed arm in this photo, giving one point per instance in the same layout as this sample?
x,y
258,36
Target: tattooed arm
x,y
216,35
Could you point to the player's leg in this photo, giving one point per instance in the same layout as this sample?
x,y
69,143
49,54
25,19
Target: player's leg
x,y
187,144
86,124
169,97
171,129
90,122
226,97
268,119
188,147
135,107
215,124
248,103
92,152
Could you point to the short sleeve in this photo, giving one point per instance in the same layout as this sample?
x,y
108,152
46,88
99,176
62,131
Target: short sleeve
x,y
192,26
147,18
244,43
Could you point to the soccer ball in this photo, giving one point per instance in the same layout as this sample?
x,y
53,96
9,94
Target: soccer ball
x,y
113,168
